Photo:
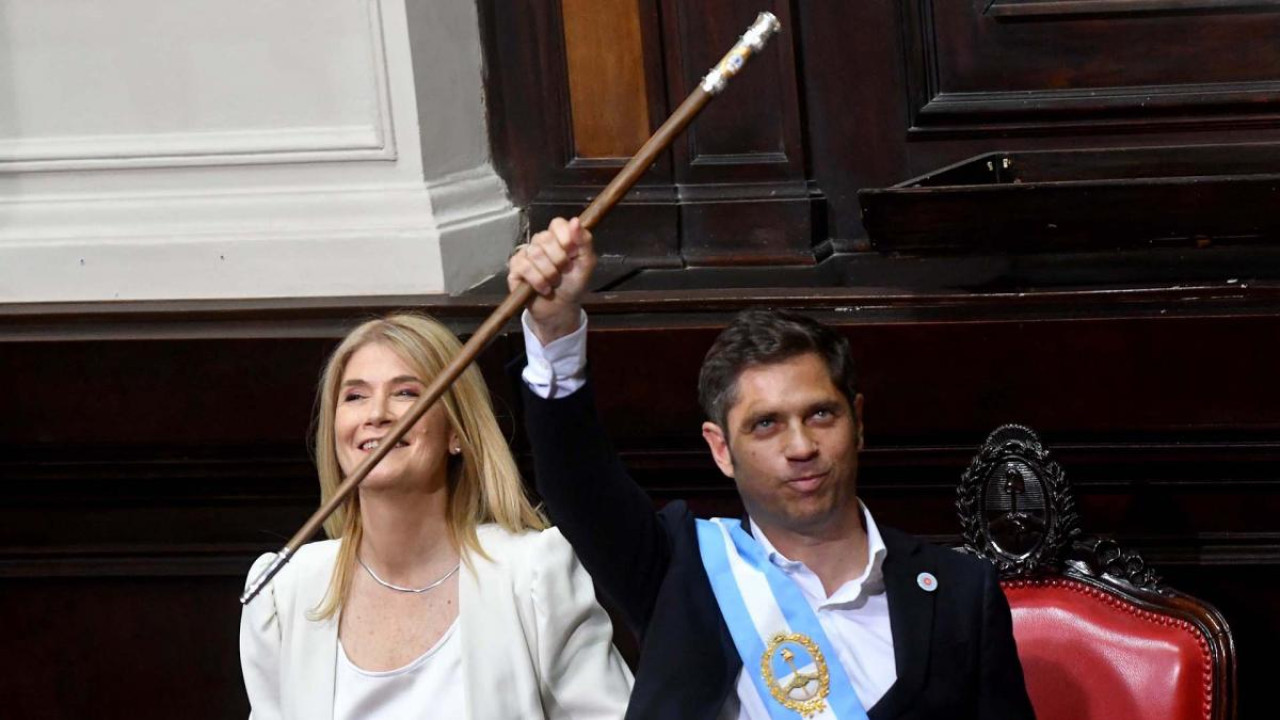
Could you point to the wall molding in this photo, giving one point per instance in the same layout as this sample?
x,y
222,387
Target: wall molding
x,y
374,141
959,108
386,239
284,242
1060,9
210,148
477,223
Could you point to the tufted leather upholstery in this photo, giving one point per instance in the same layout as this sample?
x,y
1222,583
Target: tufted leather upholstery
x,y
1088,653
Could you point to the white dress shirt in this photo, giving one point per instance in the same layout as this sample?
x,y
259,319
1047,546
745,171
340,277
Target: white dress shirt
x,y
558,369
855,616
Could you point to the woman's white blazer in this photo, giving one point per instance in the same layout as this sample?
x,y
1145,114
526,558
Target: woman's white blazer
x,y
535,644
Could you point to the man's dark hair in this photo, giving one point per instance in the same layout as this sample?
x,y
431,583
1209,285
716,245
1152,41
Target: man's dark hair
x,y
765,337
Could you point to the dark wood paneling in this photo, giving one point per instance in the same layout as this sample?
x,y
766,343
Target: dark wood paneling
x,y
1214,68
151,451
753,125
1043,9
868,94
739,230
148,451
741,166
644,230
732,190
122,648
854,95
531,127
1159,404
605,58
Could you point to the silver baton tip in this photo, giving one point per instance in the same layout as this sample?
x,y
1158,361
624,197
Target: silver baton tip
x,y
765,27
751,42
265,576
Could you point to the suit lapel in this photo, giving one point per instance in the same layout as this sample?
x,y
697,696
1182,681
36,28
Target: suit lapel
x,y
309,674
911,619
490,627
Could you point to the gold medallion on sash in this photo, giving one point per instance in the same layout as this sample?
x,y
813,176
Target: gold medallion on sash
x,y
796,673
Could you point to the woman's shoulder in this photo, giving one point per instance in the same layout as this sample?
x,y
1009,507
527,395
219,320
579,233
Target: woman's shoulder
x,y
311,560
540,565
319,551
529,545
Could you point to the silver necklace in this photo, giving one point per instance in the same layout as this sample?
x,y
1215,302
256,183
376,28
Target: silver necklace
x,y
401,588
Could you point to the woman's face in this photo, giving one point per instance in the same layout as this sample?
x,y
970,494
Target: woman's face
x,y
376,389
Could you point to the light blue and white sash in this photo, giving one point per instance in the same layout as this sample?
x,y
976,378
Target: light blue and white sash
x,y
784,650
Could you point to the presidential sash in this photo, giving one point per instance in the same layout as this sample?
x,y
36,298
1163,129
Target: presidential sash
x,y
784,650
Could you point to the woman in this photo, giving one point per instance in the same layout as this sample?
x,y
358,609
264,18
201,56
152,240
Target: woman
x,y
442,595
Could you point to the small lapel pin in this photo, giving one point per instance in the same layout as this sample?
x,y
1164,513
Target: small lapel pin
x,y
927,582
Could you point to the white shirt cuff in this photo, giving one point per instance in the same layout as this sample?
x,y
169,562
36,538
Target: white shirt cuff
x,y
560,368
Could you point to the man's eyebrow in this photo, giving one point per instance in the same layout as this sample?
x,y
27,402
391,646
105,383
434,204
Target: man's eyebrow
x,y
753,418
831,405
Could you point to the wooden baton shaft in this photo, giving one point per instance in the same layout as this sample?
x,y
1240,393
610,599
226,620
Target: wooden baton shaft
x,y
764,26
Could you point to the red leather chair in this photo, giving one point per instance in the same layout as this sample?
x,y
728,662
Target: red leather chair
x,y
1098,634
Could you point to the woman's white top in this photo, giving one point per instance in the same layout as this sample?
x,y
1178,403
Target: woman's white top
x,y
428,687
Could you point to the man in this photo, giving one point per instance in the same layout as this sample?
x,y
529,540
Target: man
x,y
806,608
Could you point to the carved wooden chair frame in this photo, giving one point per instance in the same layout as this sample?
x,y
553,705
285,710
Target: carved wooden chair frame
x,y
1036,539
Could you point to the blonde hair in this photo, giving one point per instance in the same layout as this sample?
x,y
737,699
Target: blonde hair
x,y
484,485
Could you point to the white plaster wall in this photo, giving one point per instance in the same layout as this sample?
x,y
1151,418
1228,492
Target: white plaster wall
x,y
232,148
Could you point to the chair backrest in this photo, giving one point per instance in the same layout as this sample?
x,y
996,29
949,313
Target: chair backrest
x,y
1099,635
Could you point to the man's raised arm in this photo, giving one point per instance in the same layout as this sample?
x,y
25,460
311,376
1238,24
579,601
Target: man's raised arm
x,y
607,518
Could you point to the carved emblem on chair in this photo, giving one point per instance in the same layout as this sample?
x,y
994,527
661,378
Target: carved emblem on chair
x,y
1014,504
1016,508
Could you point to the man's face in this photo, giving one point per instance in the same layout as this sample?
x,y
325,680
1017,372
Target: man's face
x,y
791,443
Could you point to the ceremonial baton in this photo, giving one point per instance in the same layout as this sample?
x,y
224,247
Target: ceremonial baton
x,y
751,42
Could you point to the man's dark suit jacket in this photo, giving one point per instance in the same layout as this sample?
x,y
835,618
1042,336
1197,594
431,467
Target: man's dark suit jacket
x,y
953,648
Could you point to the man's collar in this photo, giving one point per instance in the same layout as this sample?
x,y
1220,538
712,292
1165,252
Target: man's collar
x,y
876,550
